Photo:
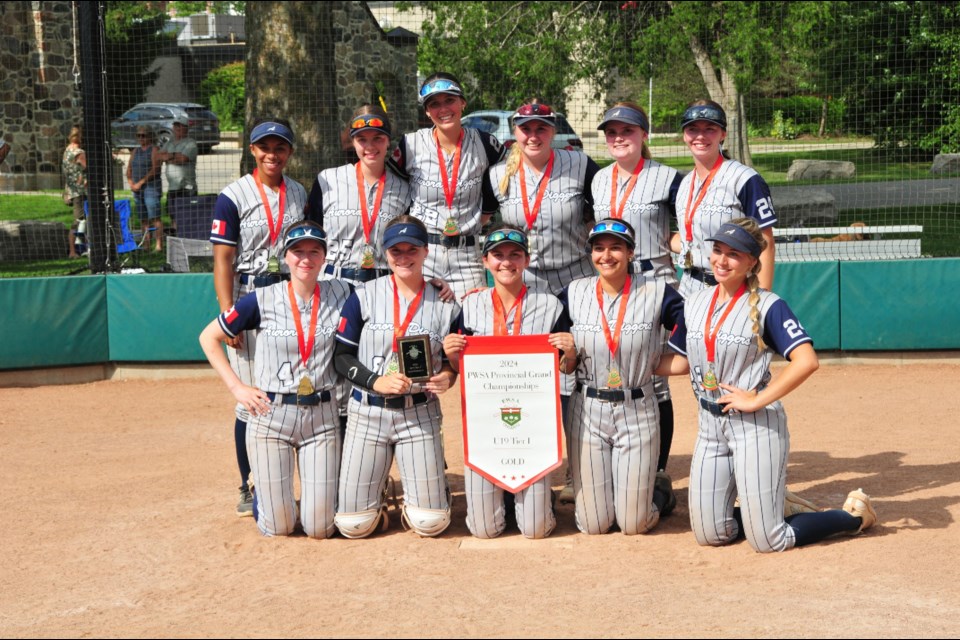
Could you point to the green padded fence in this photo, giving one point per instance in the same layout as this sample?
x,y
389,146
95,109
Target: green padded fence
x,y
48,322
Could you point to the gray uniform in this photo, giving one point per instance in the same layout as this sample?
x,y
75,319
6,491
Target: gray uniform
x,y
311,433
375,433
457,261
542,313
559,234
736,191
739,452
240,220
613,446
648,210
336,200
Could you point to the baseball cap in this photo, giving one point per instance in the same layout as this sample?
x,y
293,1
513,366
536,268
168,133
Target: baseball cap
x,y
503,236
704,112
404,232
301,232
181,120
438,86
612,227
627,115
738,238
266,129
534,111
367,122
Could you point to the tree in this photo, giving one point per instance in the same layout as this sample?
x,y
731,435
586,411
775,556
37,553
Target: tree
x,y
133,41
189,8
507,51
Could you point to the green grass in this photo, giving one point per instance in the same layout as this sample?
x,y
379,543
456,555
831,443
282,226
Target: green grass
x,y
941,225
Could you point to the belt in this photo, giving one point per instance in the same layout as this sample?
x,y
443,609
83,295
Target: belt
x,y
703,276
263,279
392,402
713,407
360,275
645,265
311,400
452,241
610,395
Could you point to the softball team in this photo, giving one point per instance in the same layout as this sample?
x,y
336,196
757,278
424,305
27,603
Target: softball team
x,y
326,313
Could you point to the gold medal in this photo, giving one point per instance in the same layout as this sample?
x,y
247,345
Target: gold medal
x,y
451,228
305,388
688,261
614,381
710,381
273,265
393,366
366,262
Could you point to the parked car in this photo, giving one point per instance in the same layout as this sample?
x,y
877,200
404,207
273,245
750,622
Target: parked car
x,y
497,122
204,125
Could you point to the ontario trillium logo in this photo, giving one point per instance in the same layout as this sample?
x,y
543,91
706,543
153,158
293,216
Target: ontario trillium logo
x,y
510,412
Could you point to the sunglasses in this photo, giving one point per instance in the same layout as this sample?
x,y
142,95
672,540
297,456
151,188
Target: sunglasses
x,y
704,113
501,235
609,226
362,123
312,233
535,109
441,85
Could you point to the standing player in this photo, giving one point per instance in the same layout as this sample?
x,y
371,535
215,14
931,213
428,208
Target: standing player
x,y
445,164
616,318
249,220
716,191
388,412
743,443
509,308
354,216
293,410
641,191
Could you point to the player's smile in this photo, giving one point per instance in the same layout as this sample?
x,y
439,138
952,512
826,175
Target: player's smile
x,y
406,258
271,155
610,256
534,139
371,147
445,110
507,265
624,141
730,265
703,138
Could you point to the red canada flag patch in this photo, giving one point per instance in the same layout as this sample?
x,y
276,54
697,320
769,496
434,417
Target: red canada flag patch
x,y
231,315
219,228
343,325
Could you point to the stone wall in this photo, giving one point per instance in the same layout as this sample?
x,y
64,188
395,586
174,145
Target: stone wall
x,y
38,97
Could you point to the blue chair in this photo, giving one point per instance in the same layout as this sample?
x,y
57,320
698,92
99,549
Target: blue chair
x,y
130,240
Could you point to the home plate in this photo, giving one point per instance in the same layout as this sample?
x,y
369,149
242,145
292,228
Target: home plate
x,y
511,543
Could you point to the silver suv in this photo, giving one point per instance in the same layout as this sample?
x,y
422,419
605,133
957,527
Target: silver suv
x,y
497,123
204,124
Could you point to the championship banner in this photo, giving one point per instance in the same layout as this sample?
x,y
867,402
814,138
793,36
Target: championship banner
x,y
510,394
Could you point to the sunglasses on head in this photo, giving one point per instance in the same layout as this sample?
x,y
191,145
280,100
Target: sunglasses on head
x,y
306,232
362,123
535,109
608,226
439,86
507,234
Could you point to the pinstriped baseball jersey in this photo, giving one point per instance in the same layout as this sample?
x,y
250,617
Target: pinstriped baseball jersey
x,y
278,366
736,191
648,209
416,154
335,197
367,323
240,220
559,234
652,305
738,362
541,313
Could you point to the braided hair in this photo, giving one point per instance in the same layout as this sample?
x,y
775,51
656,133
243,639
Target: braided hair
x,y
753,281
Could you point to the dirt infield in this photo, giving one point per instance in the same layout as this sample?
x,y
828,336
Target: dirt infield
x,y
119,504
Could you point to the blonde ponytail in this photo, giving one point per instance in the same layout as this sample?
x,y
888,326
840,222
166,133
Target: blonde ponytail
x,y
513,164
753,284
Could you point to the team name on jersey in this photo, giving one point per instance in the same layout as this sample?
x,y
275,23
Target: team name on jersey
x,y
634,327
337,213
287,333
252,223
724,337
412,330
436,184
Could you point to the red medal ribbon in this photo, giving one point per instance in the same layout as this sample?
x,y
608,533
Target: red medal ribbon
x,y
399,330
613,339
532,216
616,211
306,345
500,314
369,219
449,184
688,215
710,340
274,229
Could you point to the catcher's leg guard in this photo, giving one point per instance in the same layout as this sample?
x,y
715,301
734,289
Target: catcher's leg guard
x,y
426,522
362,523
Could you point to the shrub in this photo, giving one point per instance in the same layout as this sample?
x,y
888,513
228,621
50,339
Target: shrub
x,y
223,92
